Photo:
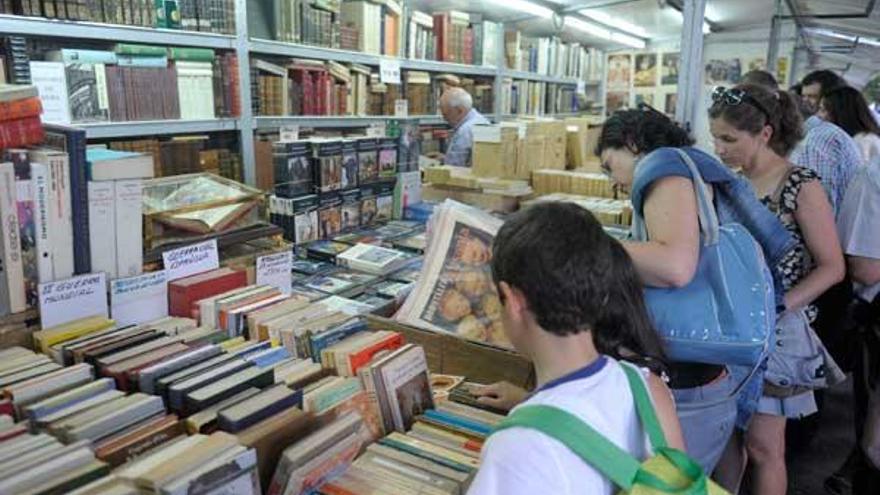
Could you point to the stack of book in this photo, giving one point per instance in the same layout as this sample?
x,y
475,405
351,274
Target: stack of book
x,y
115,192
14,60
20,109
610,212
134,82
187,155
572,182
214,16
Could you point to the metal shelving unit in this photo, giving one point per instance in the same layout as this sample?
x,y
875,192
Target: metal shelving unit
x,y
54,28
106,130
244,47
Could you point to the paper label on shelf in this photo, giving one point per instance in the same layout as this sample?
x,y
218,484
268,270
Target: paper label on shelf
x,y
139,299
289,133
487,133
275,270
192,259
401,108
389,71
376,130
581,87
64,301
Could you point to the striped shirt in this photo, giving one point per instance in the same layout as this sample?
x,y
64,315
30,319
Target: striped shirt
x,y
458,151
830,152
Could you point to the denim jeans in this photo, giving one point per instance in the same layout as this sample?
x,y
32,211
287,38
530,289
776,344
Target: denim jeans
x,y
707,415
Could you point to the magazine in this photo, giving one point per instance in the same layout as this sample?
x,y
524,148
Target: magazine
x,y
454,292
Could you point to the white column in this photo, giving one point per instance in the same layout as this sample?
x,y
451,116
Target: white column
x,y
690,74
246,119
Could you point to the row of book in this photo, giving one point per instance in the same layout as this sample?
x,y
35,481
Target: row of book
x,y
211,16
523,97
136,82
552,56
188,155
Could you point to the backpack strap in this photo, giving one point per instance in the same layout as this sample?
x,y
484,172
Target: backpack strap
x,y
645,407
591,446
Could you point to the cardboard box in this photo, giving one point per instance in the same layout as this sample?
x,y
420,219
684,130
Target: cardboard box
x,y
494,151
452,355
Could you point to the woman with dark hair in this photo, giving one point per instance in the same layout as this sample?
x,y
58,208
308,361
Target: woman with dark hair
x,y
639,149
846,108
755,129
576,314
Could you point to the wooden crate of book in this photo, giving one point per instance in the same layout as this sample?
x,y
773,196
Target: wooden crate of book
x,y
192,205
451,355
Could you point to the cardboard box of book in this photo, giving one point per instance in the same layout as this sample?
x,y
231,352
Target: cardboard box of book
x,y
448,354
494,153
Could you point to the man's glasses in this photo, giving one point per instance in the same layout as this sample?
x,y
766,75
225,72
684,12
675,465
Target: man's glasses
x,y
735,96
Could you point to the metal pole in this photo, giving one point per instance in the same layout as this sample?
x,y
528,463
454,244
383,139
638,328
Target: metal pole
x,y
773,47
246,119
500,67
690,74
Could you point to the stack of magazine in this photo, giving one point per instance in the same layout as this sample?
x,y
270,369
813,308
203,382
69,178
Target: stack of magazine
x,y
455,293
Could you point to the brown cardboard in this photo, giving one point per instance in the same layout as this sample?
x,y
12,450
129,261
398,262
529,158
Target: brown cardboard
x,y
452,355
504,203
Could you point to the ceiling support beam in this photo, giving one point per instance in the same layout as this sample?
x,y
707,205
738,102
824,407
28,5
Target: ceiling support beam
x,y
690,74
869,9
773,46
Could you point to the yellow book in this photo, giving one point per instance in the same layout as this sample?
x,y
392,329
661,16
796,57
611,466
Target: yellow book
x,y
48,337
232,344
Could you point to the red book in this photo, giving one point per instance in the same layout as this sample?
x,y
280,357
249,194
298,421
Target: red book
x,y
357,360
468,46
7,408
19,109
182,293
21,132
441,31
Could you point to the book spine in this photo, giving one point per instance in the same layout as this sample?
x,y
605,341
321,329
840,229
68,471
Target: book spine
x,y
43,238
26,223
22,132
129,227
20,109
80,202
11,243
102,227
61,221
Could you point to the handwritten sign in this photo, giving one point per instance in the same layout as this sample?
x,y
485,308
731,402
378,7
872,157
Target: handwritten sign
x,y
389,71
289,133
192,259
63,301
401,108
140,299
275,269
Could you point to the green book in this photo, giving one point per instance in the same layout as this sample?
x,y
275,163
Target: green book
x,y
167,14
192,54
140,50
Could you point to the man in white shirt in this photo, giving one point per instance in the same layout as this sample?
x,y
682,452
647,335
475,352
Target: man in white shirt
x,y
560,306
458,110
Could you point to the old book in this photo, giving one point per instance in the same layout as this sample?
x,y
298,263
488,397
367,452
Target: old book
x,y
58,220
327,164
124,447
178,392
183,293
191,458
205,421
126,372
257,408
127,411
61,401
148,376
271,436
12,294
227,387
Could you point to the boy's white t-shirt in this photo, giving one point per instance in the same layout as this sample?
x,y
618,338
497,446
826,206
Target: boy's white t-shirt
x,y
522,461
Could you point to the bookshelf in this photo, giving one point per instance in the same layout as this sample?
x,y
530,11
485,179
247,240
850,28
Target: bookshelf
x,y
110,130
244,46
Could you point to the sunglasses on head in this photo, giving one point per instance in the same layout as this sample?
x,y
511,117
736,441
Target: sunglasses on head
x,y
735,96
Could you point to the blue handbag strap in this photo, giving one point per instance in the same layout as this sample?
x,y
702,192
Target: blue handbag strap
x,y
709,224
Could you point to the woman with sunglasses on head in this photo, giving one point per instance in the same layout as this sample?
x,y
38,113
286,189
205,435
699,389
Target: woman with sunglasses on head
x,y
639,150
846,108
754,130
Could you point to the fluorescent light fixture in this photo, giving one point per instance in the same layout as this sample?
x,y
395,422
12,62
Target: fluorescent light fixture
x,y
706,28
526,7
605,34
614,22
631,41
588,27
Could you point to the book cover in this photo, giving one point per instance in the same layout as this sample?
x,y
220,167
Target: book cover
x,y
102,227
51,81
350,169
42,238
128,216
329,216
73,142
387,158
293,169
304,211
368,160
27,218
83,90
12,264
182,293
260,407
327,165
351,210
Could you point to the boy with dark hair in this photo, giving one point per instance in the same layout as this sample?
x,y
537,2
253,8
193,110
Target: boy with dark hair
x,y
572,304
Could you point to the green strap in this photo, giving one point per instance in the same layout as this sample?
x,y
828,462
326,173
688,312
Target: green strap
x,y
645,408
580,438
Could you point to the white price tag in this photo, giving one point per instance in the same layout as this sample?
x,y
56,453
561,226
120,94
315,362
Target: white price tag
x,y
581,87
189,260
376,130
401,108
78,297
389,71
275,270
289,133
140,299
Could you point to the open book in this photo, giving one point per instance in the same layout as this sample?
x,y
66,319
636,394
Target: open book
x,y
455,293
